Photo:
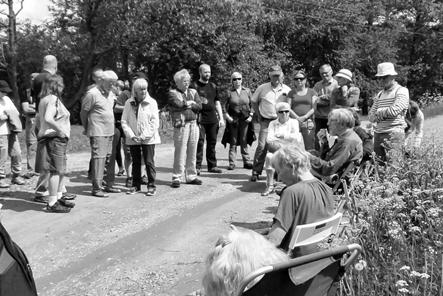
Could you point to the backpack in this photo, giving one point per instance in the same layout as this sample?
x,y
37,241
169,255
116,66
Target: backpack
x,y
15,273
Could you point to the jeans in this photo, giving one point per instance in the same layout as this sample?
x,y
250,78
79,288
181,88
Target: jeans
x,y
145,152
385,142
101,148
260,151
185,151
238,131
110,162
208,131
9,145
31,143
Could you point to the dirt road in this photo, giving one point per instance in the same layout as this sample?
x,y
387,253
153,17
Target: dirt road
x,y
132,244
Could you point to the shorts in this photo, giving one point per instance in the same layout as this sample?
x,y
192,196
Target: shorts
x,y
101,147
51,155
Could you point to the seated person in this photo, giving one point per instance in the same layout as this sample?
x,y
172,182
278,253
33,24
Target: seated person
x,y
281,131
414,131
366,137
347,148
305,199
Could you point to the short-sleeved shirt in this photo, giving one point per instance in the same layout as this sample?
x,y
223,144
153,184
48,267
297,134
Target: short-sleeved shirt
x,y
37,87
100,112
266,97
302,203
301,104
6,106
208,94
323,104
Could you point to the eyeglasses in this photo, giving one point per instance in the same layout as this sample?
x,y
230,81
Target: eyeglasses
x,y
299,79
235,79
284,111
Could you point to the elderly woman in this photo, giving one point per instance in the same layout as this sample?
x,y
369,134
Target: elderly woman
x,y
53,135
282,131
140,122
347,94
347,148
302,100
185,105
238,114
305,199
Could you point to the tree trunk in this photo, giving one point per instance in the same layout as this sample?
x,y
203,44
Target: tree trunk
x,y
11,54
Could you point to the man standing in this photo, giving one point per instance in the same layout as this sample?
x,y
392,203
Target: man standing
x,y
98,121
388,112
211,118
263,101
324,89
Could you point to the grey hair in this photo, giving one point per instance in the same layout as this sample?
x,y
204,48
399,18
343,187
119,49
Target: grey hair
x,y
292,156
343,116
109,75
180,75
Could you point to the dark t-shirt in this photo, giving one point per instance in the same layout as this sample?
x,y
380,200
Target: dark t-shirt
x,y
37,87
208,95
302,203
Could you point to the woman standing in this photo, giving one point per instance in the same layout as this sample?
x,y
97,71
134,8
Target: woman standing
x,y
140,122
347,94
238,114
302,100
53,135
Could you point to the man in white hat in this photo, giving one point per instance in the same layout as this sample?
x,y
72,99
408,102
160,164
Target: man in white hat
x,y
347,94
388,112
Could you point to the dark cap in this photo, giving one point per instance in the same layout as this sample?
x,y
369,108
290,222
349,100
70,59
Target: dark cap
x,y
4,87
275,70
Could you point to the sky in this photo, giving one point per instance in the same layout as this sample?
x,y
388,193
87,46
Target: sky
x,y
35,10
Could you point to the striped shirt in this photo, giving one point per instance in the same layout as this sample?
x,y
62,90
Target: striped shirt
x,y
389,109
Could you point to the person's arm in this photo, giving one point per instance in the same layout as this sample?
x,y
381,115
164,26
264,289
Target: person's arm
x,y
271,132
339,157
418,129
155,118
400,104
175,102
294,133
197,105
51,111
255,101
129,133
276,234
28,109
353,96
218,108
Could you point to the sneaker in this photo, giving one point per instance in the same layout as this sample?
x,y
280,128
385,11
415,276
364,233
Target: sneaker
x,y
57,208
215,170
247,165
128,182
100,193
111,190
255,177
196,181
151,191
66,203
41,199
231,167
69,196
18,181
132,191
175,184
269,190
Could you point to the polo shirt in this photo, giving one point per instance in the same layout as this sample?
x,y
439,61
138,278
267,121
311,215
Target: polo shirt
x,y
100,112
323,104
266,97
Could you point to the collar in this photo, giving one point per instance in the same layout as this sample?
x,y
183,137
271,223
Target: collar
x,y
203,82
241,88
394,84
278,87
145,101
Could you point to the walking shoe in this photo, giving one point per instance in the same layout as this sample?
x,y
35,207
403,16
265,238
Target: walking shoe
x,y
3,184
100,193
231,167
247,165
41,199
255,177
18,180
196,181
151,191
57,208
132,191
121,172
66,203
69,196
128,182
29,175
215,170
175,184
111,190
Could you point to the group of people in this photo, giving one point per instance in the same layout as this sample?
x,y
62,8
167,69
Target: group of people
x,y
321,121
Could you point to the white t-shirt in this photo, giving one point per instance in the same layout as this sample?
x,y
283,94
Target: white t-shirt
x,y
6,106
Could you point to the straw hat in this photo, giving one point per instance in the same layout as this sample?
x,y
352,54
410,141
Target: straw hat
x,y
344,73
385,69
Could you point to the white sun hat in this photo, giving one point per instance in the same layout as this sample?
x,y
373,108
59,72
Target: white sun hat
x,y
344,73
385,69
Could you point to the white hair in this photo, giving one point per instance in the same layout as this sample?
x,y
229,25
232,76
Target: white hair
x,y
109,75
180,75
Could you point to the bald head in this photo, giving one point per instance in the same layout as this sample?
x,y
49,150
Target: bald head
x,y
205,72
50,64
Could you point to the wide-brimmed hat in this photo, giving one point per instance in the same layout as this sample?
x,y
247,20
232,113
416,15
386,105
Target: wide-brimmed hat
x,y
275,70
282,106
385,69
344,73
4,87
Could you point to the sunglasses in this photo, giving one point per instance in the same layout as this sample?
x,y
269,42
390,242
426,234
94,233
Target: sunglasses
x,y
299,79
235,79
284,111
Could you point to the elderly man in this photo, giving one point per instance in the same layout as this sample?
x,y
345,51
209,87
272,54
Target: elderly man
x,y
347,148
211,118
263,101
324,89
98,121
388,112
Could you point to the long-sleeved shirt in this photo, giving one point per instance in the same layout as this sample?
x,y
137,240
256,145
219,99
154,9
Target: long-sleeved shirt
x,y
177,104
141,120
414,135
389,109
238,103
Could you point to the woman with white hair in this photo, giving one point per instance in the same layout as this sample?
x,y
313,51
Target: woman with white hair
x,y
281,131
140,122
185,105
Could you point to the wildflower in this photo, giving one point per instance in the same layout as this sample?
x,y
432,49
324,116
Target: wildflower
x,y
405,268
424,276
431,251
403,290
415,273
415,229
413,212
401,283
434,212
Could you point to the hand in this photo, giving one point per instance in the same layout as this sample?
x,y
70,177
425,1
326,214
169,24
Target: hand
x,y
189,104
301,119
322,134
136,139
249,119
3,116
229,118
278,135
221,123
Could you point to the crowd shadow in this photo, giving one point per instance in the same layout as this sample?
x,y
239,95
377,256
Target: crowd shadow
x,y
20,201
261,227
247,186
